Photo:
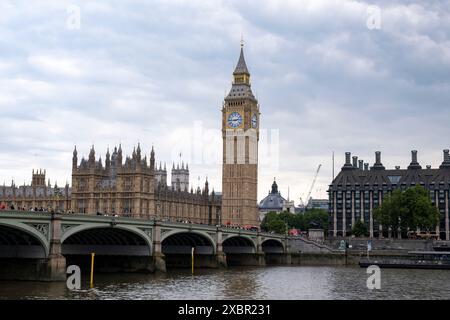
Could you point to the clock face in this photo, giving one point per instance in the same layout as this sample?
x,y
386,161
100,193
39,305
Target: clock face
x,y
254,121
234,119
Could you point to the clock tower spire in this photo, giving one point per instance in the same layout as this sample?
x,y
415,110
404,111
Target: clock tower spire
x,y
240,134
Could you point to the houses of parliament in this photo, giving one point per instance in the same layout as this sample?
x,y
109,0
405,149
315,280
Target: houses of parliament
x,y
136,186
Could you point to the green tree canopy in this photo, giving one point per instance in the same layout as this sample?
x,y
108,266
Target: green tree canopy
x,y
410,209
278,226
312,219
360,229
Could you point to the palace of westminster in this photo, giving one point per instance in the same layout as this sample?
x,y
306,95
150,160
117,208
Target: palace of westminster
x,y
137,187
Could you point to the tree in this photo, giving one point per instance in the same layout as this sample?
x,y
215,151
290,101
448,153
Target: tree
x,y
277,226
420,210
392,212
315,219
360,229
410,209
312,219
269,217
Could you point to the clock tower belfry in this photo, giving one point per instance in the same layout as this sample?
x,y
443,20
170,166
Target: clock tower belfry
x,y
240,134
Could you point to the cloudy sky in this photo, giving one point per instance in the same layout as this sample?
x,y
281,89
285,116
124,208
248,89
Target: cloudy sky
x,y
329,76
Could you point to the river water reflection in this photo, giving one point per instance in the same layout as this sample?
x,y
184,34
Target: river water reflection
x,y
294,282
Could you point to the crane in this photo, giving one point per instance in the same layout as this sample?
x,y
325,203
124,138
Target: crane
x,y
312,186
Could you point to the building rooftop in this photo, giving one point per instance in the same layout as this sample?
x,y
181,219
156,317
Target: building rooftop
x,y
274,201
378,176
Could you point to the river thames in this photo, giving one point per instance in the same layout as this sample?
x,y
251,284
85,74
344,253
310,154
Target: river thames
x,y
286,283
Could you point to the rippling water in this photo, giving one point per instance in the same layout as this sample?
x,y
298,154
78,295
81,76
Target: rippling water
x,y
246,283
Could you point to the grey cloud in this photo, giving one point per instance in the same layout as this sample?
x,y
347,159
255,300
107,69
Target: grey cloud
x,y
138,71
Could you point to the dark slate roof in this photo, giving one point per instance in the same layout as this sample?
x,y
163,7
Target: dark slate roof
x,y
377,179
241,91
274,201
241,66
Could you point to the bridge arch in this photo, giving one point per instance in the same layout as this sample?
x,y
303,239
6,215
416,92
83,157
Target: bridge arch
x,y
104,239
239,244
272,246
19,240
182,241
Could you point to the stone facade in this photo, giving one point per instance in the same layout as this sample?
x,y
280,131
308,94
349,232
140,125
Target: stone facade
x,y
37,196
136,188
240,133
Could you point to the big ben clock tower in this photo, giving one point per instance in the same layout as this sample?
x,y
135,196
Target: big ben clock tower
x,y
240,133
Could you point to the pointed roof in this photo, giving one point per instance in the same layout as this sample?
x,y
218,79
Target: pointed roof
x,y
241,87
241,66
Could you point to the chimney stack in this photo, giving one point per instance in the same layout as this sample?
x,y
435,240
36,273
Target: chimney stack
x,y
361,164
355,162
378,165
446,163
414,156
414,163
377,157
366,167
347,165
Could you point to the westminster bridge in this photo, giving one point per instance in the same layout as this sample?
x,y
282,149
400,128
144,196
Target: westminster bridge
x,y
39,245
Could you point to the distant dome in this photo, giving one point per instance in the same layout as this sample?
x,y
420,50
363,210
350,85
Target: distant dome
x,y
274,201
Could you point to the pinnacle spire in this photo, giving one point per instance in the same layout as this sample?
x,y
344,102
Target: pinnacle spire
x,y
241,66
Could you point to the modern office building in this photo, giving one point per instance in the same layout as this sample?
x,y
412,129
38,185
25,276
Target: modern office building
x,y
358,190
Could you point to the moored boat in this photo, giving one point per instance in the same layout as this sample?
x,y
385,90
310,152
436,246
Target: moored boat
x,y
414,260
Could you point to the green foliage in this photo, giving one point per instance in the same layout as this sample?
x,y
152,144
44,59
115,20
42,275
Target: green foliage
x,y
278,226
409,209
315,219
312,219
270,216
360,229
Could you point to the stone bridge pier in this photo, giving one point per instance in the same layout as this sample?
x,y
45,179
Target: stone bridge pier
x,y
55,264
27,257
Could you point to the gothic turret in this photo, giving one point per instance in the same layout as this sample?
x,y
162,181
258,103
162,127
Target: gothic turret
x,y
152,159
180,177
92,156
108,160
119,156
75,158
206,187
138,152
